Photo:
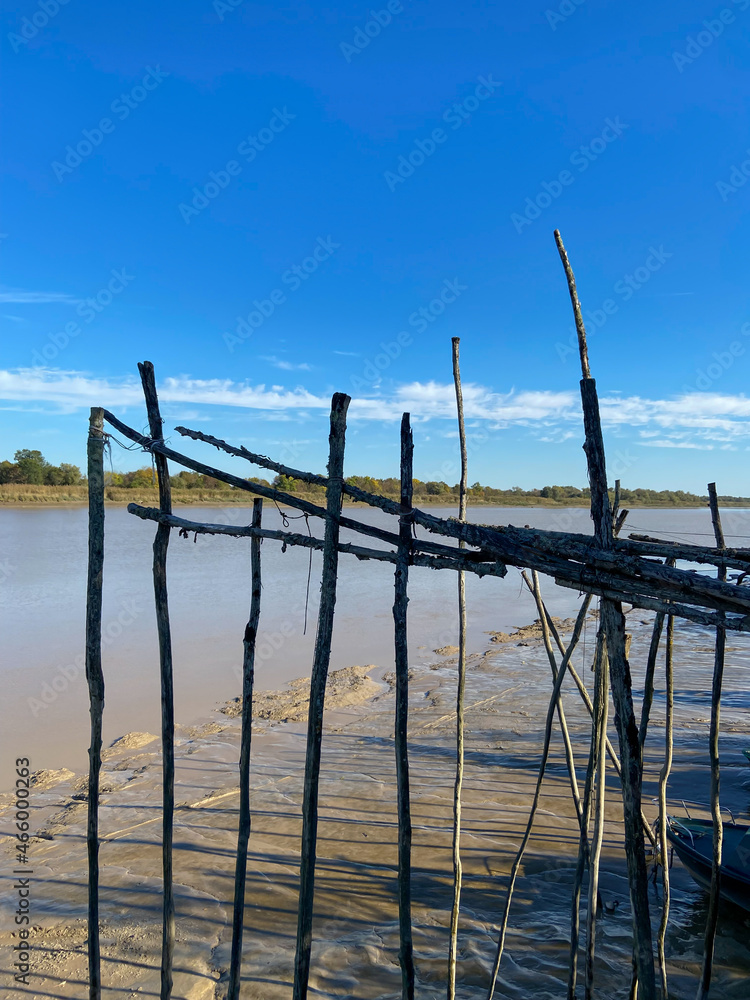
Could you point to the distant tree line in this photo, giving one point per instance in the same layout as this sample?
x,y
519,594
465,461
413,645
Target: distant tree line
x,y
31,467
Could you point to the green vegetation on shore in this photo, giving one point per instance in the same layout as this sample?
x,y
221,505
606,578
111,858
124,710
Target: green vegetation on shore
x,y
31,479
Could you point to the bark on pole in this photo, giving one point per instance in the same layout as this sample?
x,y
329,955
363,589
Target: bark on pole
x,y
95,679
663,779
613,621
243,834
583,846
400,603
321,661
460,686
713,899
161,544
598,736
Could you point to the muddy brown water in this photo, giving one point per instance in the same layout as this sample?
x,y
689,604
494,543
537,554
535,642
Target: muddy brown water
x,y
356,932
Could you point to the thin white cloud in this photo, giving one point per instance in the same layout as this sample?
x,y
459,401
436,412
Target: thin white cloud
x,y
287,366
695,420
21,297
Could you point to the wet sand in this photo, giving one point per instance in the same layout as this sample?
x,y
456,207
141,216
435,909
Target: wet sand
x,y
356,933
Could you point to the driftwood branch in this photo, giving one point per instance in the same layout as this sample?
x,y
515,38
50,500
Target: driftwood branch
x,y
243,832
594,571
95,679
453,559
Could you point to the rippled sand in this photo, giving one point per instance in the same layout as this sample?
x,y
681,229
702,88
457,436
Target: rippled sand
x,y
355,933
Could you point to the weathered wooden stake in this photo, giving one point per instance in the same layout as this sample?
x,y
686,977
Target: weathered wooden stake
x,y
460,686
400,603
612,619
243,834
713,900
663,779
95,678
583,846
161,544
321,661
599,736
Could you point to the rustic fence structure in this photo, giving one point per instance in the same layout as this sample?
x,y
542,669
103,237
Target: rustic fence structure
x,y
637,570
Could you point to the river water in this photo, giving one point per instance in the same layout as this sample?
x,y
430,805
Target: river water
x,y
44,713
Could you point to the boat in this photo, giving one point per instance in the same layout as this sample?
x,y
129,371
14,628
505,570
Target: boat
x,y
747,753
692,840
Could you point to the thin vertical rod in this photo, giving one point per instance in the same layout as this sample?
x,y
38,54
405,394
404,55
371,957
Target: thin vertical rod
x,y
713,899
577,630
243,833
583,848
663,779
611,617
321,661
400,603
536,591
161,545
460,686
599,736
95,678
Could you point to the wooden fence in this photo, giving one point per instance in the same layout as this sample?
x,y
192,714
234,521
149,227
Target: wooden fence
x,y
638,570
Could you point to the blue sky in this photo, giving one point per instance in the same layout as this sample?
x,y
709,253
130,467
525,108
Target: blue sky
x,y
257,201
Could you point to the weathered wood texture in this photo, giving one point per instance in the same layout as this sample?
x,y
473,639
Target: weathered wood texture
x,y
161,545
666,767
400,604
599,771
612,620
95,679
321,661
712,915
460,685
452,559
551,710
243,832
589,567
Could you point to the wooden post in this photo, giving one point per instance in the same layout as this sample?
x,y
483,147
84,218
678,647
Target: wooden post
x,y
321,660
460,686
401,600
713,899
243,834
95,678
612,619
161,544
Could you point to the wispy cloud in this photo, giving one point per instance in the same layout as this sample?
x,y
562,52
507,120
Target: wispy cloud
x,y
287,366
698,420
21,297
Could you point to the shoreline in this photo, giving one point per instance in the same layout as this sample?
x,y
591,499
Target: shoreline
x,y
221,500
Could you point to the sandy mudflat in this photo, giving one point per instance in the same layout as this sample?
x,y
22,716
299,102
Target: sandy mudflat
x,y
356,934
